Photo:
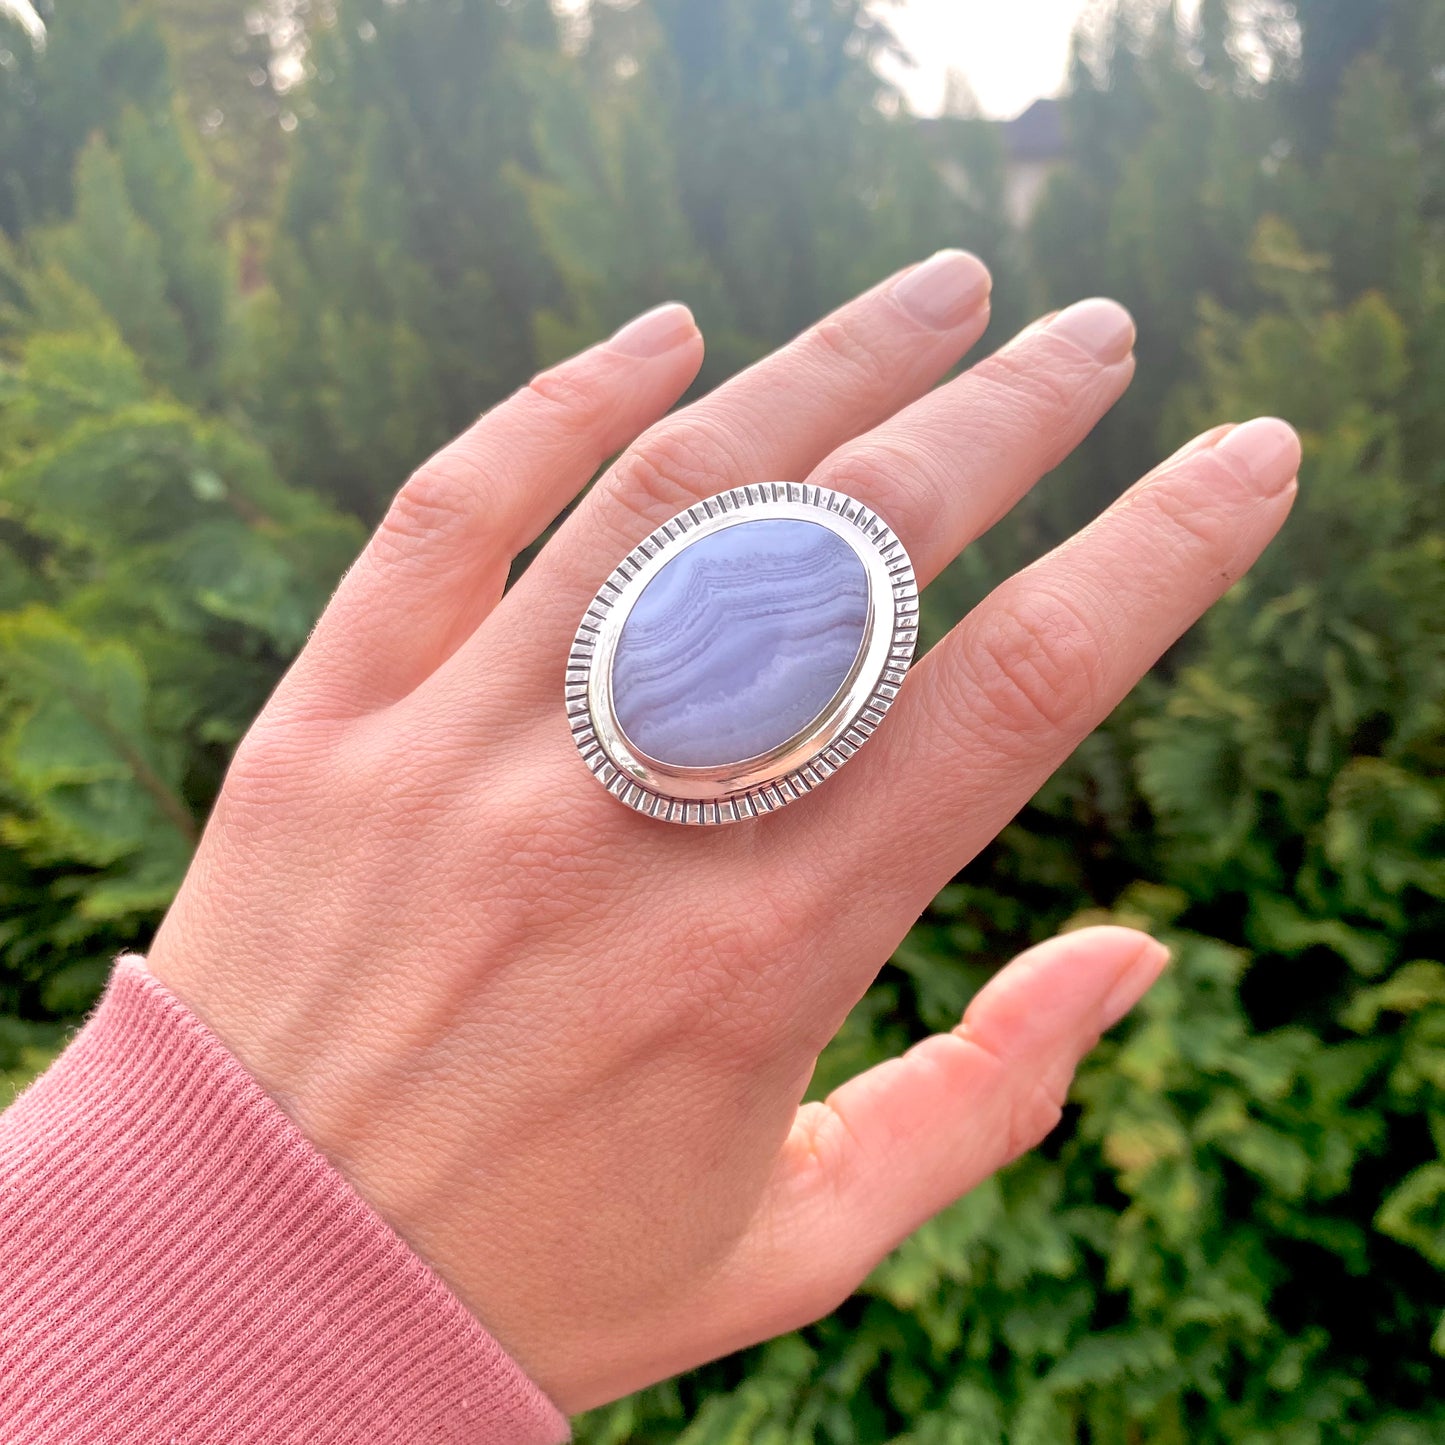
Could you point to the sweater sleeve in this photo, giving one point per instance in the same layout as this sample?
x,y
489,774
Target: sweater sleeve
x,y
179,1263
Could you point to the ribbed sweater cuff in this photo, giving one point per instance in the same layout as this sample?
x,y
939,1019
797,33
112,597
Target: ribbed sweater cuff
x,y
181,1264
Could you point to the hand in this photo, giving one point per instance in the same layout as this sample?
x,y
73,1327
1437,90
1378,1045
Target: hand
x,y
561,1047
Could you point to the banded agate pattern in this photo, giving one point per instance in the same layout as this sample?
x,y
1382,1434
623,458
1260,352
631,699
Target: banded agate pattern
x,y
739,642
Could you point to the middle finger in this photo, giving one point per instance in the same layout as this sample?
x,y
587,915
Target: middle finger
x,y
944,470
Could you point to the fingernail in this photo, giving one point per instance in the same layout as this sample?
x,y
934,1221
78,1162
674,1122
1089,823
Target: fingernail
x,y
1265,452
655,332
1099,326
945,290
1133,984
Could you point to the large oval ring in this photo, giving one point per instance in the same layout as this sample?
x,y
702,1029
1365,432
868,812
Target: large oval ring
x,y
742,653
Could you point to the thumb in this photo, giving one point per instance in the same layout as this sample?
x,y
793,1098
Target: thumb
x,y
890,1148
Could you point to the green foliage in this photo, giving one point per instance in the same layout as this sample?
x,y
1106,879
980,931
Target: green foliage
x,y
405,270
1239,1233
155,573
161,575
106,56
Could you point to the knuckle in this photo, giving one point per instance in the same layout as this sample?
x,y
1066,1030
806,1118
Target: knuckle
x,y
1202,514
1029,668
442,496
262,763
844,341
1036,383
726,1005
569,393
276,759
828,1291
675,465
727,999
1031,1098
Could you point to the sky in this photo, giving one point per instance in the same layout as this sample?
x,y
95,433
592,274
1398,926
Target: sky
x,y
1010,51
24,12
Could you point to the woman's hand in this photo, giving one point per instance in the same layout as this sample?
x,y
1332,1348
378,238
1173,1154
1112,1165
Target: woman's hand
x,y
560,1046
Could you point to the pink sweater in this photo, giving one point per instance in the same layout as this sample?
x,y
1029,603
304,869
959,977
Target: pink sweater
x,y
178,1263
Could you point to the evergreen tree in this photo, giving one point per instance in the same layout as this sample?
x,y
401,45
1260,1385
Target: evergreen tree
x,y
227,60
99,58
406,271
1173,158
794,184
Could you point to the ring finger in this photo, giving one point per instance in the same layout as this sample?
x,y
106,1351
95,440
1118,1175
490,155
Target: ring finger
x,y
944,470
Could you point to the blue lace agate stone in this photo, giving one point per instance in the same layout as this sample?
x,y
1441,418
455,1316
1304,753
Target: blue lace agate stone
x,y
739,642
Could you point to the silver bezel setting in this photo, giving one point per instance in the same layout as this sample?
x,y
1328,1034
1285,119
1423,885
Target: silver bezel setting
x,y
765,783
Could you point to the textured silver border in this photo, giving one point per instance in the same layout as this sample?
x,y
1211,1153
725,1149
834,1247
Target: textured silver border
x,y
766,783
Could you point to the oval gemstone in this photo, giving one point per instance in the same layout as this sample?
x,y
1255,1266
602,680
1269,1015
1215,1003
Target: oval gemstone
x,y
739,642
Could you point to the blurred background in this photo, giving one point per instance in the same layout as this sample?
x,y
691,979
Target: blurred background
x,y
257,260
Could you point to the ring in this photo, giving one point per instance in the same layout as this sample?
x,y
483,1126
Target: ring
x,y
742,653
